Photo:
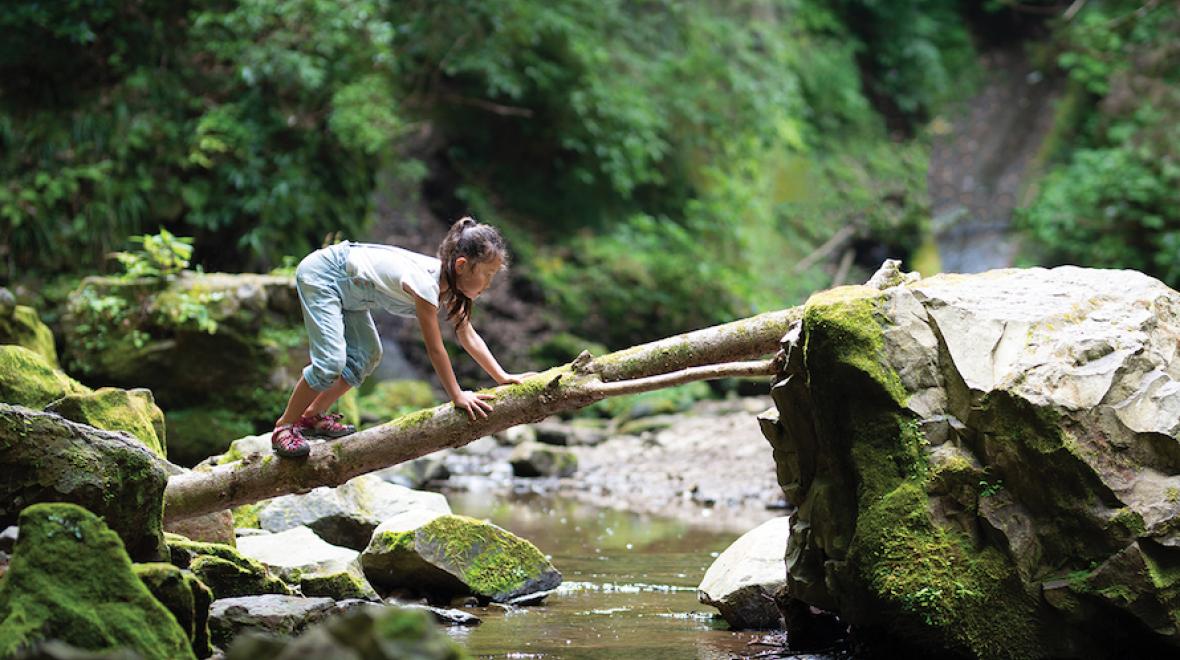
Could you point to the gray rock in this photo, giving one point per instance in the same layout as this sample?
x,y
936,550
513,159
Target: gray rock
x,y
347,515
8,538
271,613
534,459
298,556
742,581
418,472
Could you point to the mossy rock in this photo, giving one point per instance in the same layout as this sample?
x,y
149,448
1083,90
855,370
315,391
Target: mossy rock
x,y
185,596
223,569
455,555
23,327
70,579
28,379
134,411
195,434
47,458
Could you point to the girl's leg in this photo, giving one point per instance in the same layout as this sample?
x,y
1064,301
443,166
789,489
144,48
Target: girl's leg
x,y
325,399
362,354
301,397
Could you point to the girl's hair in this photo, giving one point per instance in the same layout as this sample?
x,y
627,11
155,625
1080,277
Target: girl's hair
x,y
479,243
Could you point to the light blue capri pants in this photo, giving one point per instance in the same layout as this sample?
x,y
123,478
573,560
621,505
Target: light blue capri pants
x,y
340,330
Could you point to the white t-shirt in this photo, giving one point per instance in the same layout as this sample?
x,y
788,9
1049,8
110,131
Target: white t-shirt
x,y
388,268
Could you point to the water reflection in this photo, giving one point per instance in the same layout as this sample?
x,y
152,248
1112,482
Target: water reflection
x,y
629,590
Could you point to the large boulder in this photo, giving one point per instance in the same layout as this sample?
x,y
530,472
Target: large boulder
x,y
134,411
21,326
988,464
742,581
71,580
228,345
348,514
300,557
46,458
28,379
448,555
371,632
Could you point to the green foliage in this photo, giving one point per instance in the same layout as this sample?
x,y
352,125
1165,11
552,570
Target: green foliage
x,y
163,255
1114,200
990,489
914,50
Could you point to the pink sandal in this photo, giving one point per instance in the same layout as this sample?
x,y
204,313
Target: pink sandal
x,y
325,426
287,441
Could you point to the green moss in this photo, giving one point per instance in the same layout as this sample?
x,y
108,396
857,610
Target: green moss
x,y
246,516
493,561
28,379
844,319
1130,521
113,409
24,328
70,579
392,542
337,585
1172,494
936,585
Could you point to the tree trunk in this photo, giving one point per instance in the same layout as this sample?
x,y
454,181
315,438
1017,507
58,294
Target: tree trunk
x,y
680,359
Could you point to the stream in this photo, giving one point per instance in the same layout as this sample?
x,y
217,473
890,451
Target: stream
x,y
629,587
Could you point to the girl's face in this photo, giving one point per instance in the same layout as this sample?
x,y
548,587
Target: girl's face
x,y
474,277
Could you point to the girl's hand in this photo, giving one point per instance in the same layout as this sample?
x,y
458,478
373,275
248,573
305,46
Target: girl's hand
x,y
474,404
515,379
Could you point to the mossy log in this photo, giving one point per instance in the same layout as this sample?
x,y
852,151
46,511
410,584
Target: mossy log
x,y
700,355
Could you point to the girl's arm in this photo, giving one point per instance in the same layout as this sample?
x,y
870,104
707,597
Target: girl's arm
x,y
474,404
478,350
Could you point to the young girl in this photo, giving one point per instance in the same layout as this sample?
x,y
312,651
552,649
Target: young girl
x,y
338,285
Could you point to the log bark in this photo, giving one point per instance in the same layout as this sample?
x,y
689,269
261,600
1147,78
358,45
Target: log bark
x,y
700,355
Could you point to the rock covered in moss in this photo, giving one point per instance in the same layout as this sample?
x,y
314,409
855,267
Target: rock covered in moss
x,y
29,379
300,557
533,459
71,580
371,632
21,326
185,596
742,581
444,556
46,458
134,411
983,463
225,570
348,514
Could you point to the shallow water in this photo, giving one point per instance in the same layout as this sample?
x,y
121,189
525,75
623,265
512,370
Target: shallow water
x,y
629,587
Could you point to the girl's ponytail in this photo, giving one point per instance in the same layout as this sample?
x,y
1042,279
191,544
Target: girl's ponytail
x,y
478,243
